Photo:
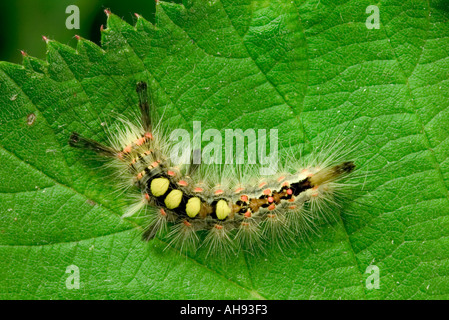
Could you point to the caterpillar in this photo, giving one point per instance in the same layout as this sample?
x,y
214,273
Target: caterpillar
x,y
223,208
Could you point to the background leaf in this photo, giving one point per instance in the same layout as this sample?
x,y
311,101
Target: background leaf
x,y
309,69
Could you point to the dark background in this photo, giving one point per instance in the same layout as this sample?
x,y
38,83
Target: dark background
x,y
24,22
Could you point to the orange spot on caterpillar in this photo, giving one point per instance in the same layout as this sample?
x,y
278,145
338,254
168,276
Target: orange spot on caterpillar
x,y
292,207
120,155
187,223
263,184
281,178
307,172
270,199
289,192
198,189
148,135
127,149
140,141
140,175
247,214
183,183
286,184
244,198
154,164
219,191
292,199
267,192
171,173
272,207
239,190
245,224
271,216
163,212
147,196
218,226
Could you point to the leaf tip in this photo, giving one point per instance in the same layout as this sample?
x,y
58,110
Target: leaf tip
x,y
45,39
107,12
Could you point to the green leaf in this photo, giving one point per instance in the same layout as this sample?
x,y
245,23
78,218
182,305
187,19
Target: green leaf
x,y
306,68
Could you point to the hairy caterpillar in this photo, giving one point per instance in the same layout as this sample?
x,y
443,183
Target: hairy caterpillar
x,y
234,209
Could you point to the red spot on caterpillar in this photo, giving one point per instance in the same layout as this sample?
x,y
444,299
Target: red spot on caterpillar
x,y
219,191
292,199
289,192
198,190
247,214
163,212
270,199
271,206
147,196
171,173
244,198
183,183
218,226
267,192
